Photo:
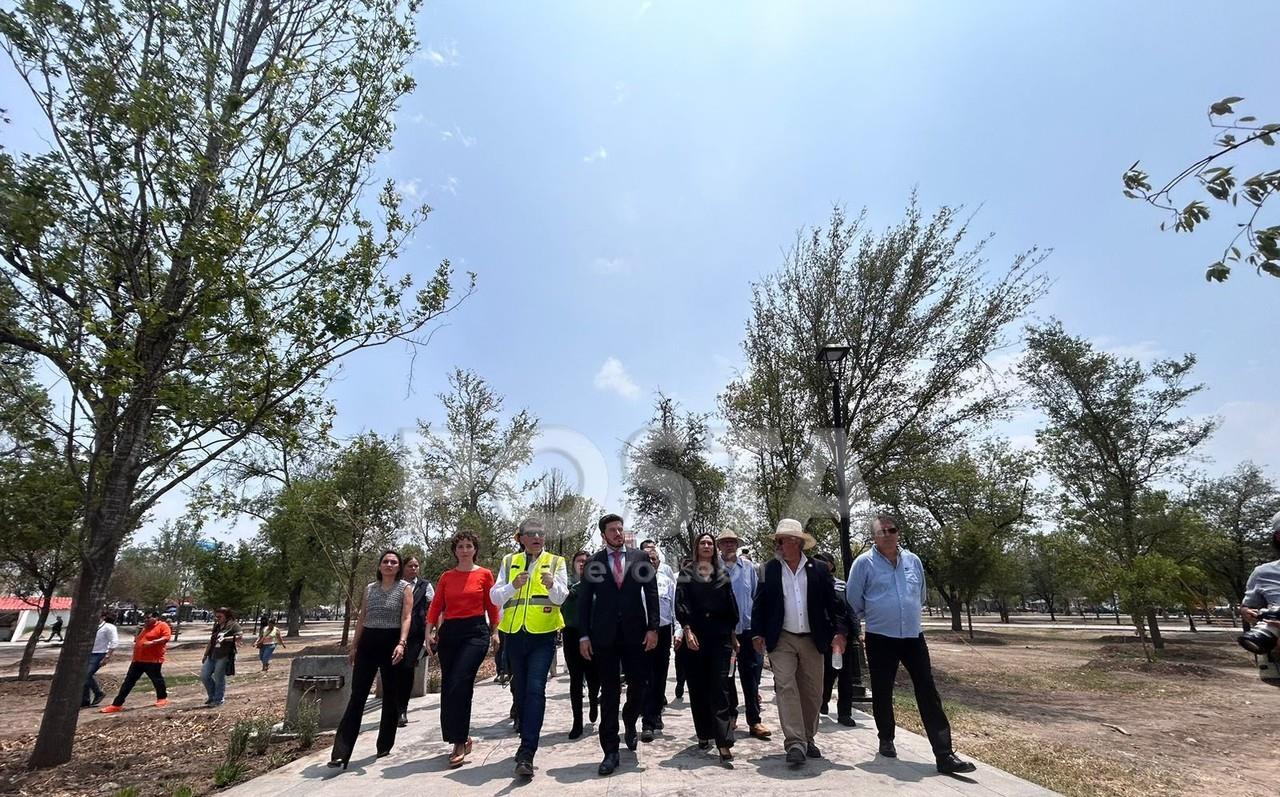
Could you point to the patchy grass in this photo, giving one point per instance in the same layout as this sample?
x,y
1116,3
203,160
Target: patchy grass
x,y
1073,771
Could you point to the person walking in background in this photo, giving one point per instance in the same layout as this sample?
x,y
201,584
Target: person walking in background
x,y
219,655
104,643
380,640
618,610
268,638
679,652
796,618
840,678
461,622
530,588
416,645
148,657
55,630
742,575
887,589
580,670
708,613
659,659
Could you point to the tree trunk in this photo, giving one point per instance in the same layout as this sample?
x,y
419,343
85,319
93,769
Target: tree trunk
x,y
1053,617
969,611
29,650
346,610
1142,637
957,622
1115,603
62,709
1191,618
1156,640
295,610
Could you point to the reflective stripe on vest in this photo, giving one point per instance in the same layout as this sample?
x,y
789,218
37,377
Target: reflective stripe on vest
x,y
530,608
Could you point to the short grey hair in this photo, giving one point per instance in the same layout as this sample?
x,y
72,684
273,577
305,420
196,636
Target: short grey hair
x,y
531,523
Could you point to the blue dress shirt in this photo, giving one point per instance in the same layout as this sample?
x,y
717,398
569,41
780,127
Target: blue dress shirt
x,y
888,597
743,579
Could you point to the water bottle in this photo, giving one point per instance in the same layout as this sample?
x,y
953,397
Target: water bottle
x,y
837,661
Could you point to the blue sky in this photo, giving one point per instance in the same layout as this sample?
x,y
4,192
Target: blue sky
x,y
617,174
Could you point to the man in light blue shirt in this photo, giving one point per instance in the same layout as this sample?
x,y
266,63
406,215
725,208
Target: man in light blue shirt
x,y
743,577
887,589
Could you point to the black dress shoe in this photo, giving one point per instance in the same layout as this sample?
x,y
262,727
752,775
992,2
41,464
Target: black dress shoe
x,y
575,731
524,769
402,722
848,722
630,738
383,753
795,756
595,712
812,751
951,764
609,764
826,708
646,735
887,749
704,744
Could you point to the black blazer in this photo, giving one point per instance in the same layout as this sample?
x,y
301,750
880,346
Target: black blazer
x,y
417,624
826,618
609,614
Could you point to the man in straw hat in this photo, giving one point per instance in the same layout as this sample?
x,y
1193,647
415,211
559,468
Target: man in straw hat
x,y
886,588
797,618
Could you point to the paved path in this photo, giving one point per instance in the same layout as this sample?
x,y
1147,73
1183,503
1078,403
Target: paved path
x,y
671,765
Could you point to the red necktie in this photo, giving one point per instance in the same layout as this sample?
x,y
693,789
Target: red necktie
x,y
617,568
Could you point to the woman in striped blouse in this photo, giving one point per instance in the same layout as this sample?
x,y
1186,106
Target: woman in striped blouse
x,y
378,647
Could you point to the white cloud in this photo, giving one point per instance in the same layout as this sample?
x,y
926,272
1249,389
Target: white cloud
x,y
410,188
644,8
610,265
456,134
613,377
600,154
418,118
445,54
450,185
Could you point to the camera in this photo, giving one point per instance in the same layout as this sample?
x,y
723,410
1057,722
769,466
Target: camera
x,y
1262,638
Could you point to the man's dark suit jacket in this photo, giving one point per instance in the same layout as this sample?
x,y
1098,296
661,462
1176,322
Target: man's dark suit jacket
x,y
826,618
417,624
610,615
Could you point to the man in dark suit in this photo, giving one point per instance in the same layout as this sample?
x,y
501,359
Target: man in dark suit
x,y
618,615
415,643
798,618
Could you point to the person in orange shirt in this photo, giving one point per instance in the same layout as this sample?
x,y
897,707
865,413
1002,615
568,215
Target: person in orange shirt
x,y
148,655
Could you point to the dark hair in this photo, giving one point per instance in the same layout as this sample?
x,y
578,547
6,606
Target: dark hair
x,y
607,519
153,613
409,559
108,615
576,554
377,571
459,537
230,615
649,542
717,569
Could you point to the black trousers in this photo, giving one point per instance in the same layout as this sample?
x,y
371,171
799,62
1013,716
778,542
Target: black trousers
x,y
659,665
464,643
682,667
611,661
709,682
842,681
750,665
581,672
500,664
137,669
373,657
884,654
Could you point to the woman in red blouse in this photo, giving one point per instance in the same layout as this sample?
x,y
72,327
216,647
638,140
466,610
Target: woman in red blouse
x,y
462,639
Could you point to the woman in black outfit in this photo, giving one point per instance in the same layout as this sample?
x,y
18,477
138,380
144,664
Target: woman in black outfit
x,y
381,631
580,670
707,611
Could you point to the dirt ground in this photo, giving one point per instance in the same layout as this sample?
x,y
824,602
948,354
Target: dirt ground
x,y
157,750
1082,712
1076,711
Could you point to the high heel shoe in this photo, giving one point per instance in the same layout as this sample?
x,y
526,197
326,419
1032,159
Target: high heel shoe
x,y
726,754
334,763
703,744
382,754
457,758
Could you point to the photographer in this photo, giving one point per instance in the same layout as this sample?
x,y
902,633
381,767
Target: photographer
x,y
1263,588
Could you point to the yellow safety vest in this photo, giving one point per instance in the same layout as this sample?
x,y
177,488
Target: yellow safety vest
x,y
531,608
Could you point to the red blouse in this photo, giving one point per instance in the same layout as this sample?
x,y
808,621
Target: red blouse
x,y
460,595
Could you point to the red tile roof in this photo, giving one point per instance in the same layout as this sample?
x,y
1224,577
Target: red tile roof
x,y
12,603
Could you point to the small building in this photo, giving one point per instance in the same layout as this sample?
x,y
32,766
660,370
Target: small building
x,y
18,616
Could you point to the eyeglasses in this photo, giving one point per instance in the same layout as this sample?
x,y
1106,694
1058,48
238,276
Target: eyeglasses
x,y
889,530
532,533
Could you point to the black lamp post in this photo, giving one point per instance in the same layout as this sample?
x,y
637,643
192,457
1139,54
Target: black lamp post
x,y
832,355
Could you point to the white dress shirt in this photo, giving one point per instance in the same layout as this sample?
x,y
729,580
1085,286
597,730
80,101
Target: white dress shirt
x,y
795,597
107,638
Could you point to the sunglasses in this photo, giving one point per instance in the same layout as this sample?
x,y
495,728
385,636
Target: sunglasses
x,y
532,533
889,530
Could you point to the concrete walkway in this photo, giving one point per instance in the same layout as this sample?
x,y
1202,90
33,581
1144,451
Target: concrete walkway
x,y
671,765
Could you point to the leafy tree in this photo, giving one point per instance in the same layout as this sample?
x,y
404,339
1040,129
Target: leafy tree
x,y
180,550
1217,177
1007,578
675,489
231,576
1053,570
191,256
1112,435
920,313
1237,508
570,518
142,578
297,539
466,470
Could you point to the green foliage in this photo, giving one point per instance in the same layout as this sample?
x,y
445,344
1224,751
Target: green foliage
x,y
183,791
1261,243
1236,508
675,489
229,772
127,791
306,722
570,519
231,576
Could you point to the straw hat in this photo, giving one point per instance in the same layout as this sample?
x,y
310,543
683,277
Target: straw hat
x,y
728,534
788,527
